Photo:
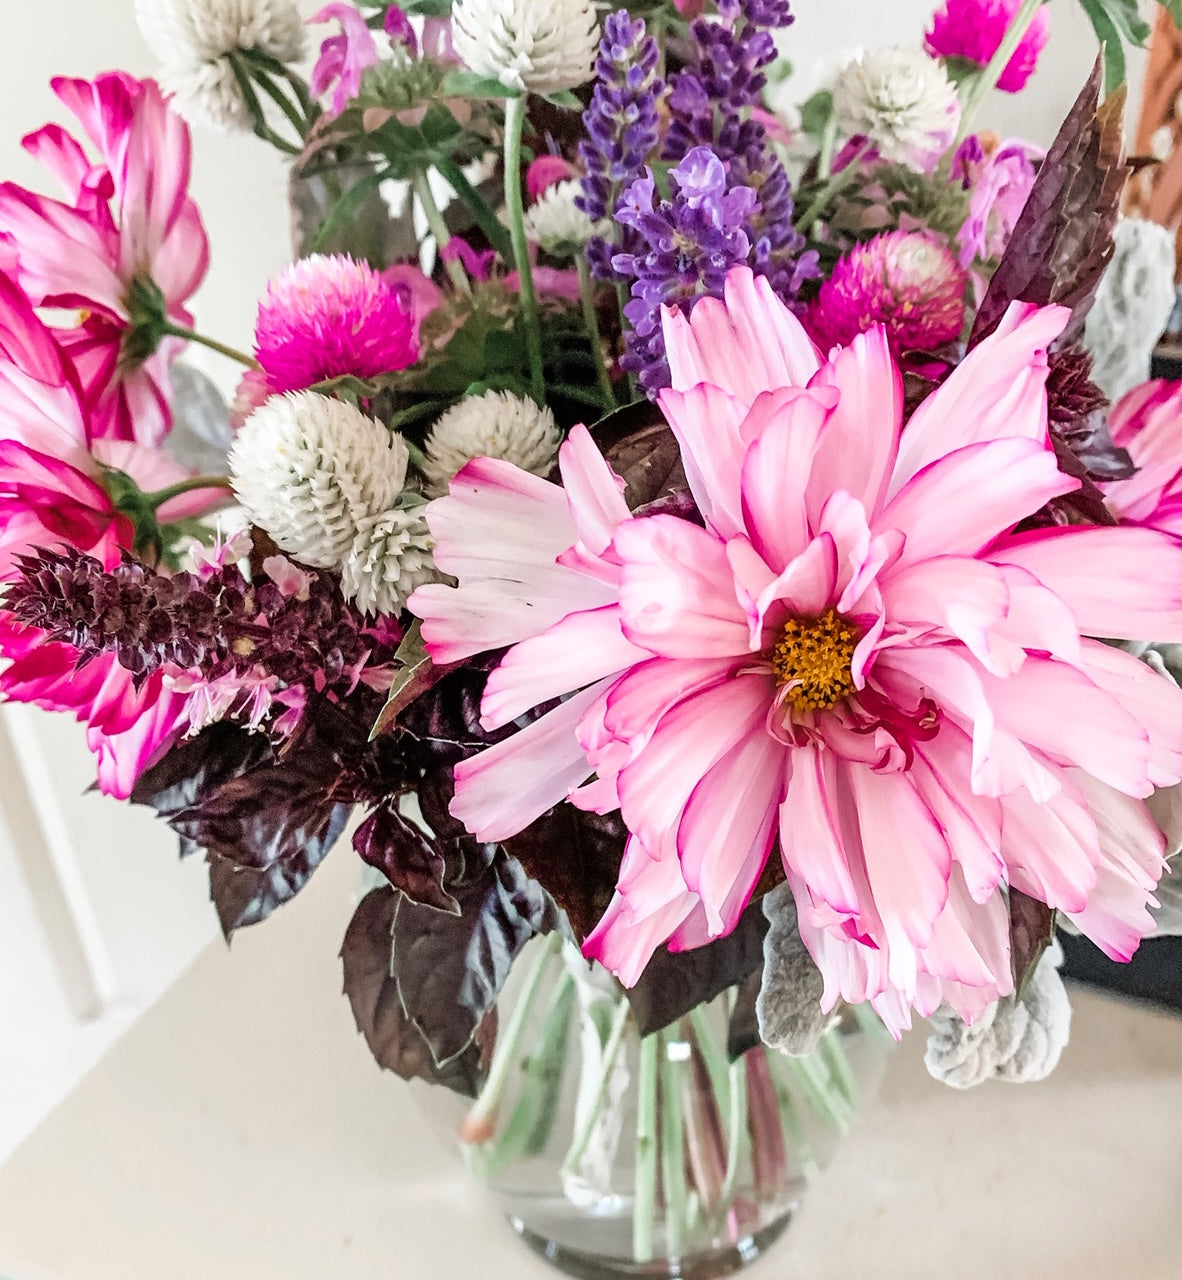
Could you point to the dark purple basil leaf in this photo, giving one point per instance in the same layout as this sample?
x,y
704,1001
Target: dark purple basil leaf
x,y
576,857
1032,926
443,724
743,1031
1087,501
416,675
393,1039
649,463
450,969
198,766
409,858
677,981
1062,241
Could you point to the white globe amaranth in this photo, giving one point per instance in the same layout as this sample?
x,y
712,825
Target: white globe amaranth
x,y
902,100
194,38
496,424
390,557
310,471
556,224
535,46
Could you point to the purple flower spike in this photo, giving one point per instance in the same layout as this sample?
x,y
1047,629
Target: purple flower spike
x,y
621,124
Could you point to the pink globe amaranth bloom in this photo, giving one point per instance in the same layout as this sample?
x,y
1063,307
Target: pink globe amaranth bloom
x,y
343,58
420,294
974,29
907,281
999,182
1148,423
545,172
857,659
326,316
126,217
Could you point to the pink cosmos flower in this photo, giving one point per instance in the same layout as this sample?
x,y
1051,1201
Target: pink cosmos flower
x,y
1148,423
126,218
343,58
856,658
999,181
326,316
973,30
907,281
50,496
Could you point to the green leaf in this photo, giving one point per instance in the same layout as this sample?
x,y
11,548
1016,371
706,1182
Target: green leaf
x,y
467,84
816,112
569,101
1115,23
427,8
1174,9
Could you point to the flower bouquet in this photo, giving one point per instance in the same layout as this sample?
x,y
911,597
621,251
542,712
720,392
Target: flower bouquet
x,y
682,523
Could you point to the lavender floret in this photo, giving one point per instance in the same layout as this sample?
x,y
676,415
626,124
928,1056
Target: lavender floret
x,y
689,243
621,124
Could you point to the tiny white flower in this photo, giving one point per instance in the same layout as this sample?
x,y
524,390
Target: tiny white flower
x,y
539,46
902,100
193,38
496,424
310,470
557,225
390,557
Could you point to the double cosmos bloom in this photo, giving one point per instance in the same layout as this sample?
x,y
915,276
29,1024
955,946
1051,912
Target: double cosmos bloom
x,y
855,658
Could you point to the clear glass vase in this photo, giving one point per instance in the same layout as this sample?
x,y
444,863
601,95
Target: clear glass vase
x,y
614,1154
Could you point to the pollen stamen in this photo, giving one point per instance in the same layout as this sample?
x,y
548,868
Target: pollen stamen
x,y
812,661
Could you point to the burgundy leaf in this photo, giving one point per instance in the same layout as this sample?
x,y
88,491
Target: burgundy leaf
x,y
450,968
409,858
643,451
393,1039
576,856
1032,926
1062,241
674,982
743,1032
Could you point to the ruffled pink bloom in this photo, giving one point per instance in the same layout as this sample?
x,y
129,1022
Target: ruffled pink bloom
x,y
999,183
126,217
1148,423
343,58
974,29
49,497
906,281
326,316
857,659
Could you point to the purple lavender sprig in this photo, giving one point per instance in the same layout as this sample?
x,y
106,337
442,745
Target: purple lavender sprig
x,y
621,124
688,244
214,626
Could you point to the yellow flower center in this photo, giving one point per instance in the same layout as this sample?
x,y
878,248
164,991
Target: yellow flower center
x,y
813,657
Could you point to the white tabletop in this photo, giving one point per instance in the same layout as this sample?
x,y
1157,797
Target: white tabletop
x,y
241,1130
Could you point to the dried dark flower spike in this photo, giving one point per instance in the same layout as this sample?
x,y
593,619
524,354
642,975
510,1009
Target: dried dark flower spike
x,y
214,626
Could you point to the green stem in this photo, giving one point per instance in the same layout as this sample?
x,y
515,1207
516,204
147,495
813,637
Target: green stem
x,y
417,457
159,497
258,120
505,1054
828,146
835,184
514,128
997,64
645,1204
189,335
611,1051
282,101
591,320
439,230
488,222
673,1062
839,1065
736,1129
